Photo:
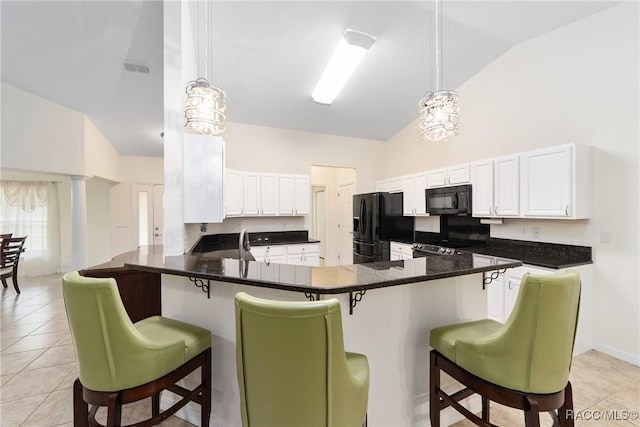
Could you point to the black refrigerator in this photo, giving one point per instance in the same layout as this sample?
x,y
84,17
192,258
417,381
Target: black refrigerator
x,y
377,219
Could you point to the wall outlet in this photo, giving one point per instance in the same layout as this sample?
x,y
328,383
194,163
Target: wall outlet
x,y
535,232
524,232
606,237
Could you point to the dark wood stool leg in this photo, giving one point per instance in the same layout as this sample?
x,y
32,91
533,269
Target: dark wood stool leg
x,y
532,414
80,407
434,385
155,405
565,413
485,409
205,410
4,282
114,410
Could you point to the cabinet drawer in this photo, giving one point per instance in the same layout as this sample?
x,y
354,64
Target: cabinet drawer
x,y
304,248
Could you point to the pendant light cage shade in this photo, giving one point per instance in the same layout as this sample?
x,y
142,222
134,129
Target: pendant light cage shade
x,y
204,107
439,118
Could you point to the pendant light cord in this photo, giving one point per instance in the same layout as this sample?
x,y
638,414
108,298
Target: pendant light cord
x,y
206,40
438,41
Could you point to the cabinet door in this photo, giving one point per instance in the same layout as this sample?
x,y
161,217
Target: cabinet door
x,y
203,178
251,193
268,194
407,195
419,184
506,196
285,201
482,188
459,174
495,299
396,185
382,185
437,178
511,289
546,182
233,193
302,194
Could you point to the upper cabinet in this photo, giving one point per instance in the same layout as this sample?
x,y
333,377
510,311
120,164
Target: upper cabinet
x,y
413,194
295,195
453,175
203,178
266,194
555,182
269,189
495,187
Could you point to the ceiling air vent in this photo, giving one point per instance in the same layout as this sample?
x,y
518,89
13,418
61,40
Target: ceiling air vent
x,y
136,66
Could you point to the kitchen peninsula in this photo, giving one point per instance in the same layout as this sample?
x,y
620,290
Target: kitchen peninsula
x,y
390,324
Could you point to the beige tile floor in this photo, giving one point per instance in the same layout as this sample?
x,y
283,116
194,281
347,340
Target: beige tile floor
x,y
37,369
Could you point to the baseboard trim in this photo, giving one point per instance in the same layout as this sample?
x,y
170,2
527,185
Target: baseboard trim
x,y
190,412
634,359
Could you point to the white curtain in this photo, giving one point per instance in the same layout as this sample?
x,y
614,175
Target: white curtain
x,y
30,208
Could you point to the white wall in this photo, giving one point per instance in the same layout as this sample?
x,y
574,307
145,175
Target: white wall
x,y
39,135
101,158
579,84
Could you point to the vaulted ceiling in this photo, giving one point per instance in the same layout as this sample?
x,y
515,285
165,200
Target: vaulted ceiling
x,y
267,56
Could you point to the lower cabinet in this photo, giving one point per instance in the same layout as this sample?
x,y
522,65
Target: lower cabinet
x,y
399,251
503,291
299,254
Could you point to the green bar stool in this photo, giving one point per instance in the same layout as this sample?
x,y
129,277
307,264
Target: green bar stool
x,y
292,367
522,364
120,362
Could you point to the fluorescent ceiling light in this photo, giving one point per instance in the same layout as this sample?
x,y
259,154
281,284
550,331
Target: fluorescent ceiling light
x,y
343,63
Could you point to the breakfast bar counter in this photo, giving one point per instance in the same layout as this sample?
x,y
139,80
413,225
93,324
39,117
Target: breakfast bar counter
x,y
390,324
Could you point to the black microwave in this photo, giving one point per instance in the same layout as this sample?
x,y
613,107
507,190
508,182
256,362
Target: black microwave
x,y
454,200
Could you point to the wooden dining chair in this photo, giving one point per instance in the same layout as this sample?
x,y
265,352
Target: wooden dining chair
x,y
5,235
10,250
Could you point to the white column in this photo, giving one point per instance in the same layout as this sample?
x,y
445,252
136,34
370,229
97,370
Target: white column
x,y
78,222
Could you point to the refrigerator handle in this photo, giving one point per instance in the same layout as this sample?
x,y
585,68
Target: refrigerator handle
x,y
363,215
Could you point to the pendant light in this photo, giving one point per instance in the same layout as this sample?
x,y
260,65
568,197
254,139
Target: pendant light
x,y
205,103
439,109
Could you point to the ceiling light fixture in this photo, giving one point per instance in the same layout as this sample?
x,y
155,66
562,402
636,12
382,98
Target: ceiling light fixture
x,y
345,60
439,110
205,103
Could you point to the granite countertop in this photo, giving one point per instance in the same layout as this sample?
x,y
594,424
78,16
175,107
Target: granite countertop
x,y
315,280
223,241
550,255
542,254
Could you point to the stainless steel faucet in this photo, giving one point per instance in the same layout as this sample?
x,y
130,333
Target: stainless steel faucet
x,y
243,244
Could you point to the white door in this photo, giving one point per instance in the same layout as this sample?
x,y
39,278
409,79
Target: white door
x,y
506,197
147,214
233,198
251,193
158,214
302,194
345,223
320,218
482,192
268,194
546,182
285,201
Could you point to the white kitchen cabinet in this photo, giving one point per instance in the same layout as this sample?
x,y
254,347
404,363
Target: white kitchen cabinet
x,y
555,182
452,175
396,184
233,195
399,251
250,193
203,179
413,200
295,195
382,185
304,254
302,194
276,254
269,186
496,190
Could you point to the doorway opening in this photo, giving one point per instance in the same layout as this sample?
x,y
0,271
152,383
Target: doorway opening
x,y
332,212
